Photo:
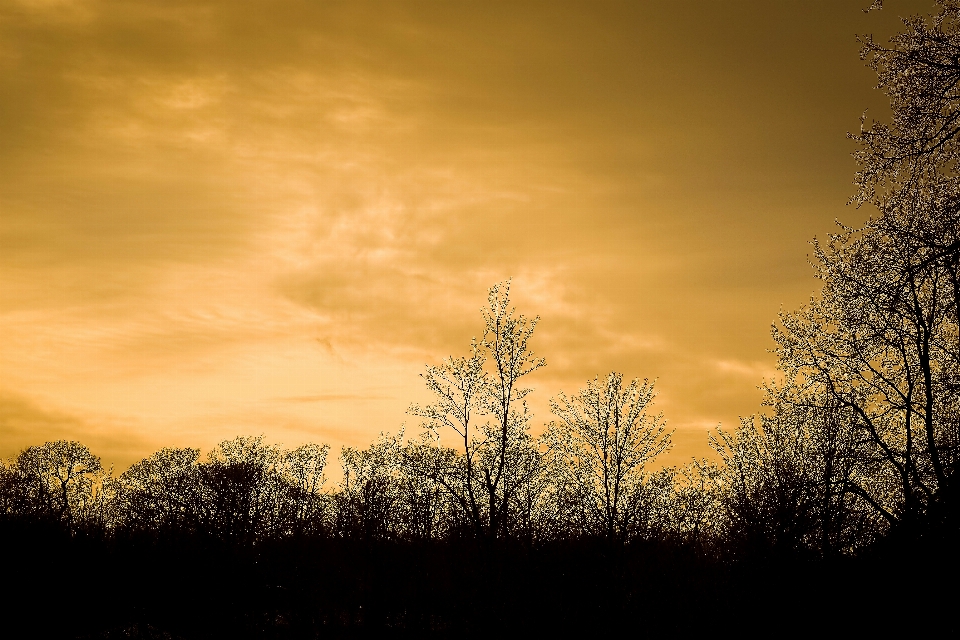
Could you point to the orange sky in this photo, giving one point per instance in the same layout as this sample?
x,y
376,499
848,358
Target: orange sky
x,y
224,218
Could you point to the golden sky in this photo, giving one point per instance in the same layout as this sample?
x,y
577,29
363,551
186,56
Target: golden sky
x,y
226,218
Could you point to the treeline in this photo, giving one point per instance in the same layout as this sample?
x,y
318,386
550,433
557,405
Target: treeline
x,y
569,529
586,476
791,483
250,542
247,493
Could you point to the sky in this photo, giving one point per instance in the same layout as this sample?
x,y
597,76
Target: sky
x,y
266,217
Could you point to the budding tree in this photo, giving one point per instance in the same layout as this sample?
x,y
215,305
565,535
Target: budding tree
x,y
881,343
64,481
479,398
604,439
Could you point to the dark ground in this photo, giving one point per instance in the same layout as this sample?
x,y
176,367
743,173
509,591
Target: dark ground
x,y
61,585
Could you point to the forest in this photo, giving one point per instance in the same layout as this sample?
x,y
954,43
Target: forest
x,y
834,507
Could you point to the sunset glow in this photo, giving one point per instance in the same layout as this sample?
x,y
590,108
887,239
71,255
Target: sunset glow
x,y
224,218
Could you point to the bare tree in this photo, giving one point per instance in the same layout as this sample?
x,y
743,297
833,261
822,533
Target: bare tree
x,y
604,439
161,492
880,344
498,455
459,385
785,484
881,341
920,73
62,480
302,472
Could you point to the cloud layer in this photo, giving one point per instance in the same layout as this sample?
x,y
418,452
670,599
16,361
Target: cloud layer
x,y
264,217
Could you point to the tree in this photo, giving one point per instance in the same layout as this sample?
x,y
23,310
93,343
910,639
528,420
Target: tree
x,y
685,504
247,490
370,492
498,456
63,480
604,440
881,342
301,470
162,492
784,483
920,73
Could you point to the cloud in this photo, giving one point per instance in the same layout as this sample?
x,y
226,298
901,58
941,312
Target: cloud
x,y
25,422
209,206
20,418
754,370
332,397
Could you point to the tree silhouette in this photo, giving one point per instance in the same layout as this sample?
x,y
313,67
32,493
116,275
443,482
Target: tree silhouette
x,y
868,410
498,456
162,492
61,480
604,439
301,471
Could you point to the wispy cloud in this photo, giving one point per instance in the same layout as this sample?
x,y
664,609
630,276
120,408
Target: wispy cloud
x,y
333,397
266,216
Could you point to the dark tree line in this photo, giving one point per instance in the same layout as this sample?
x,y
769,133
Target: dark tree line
x,y
848,476
586,476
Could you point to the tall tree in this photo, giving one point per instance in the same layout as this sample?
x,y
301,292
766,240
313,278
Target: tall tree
x,y
497,456
882,340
